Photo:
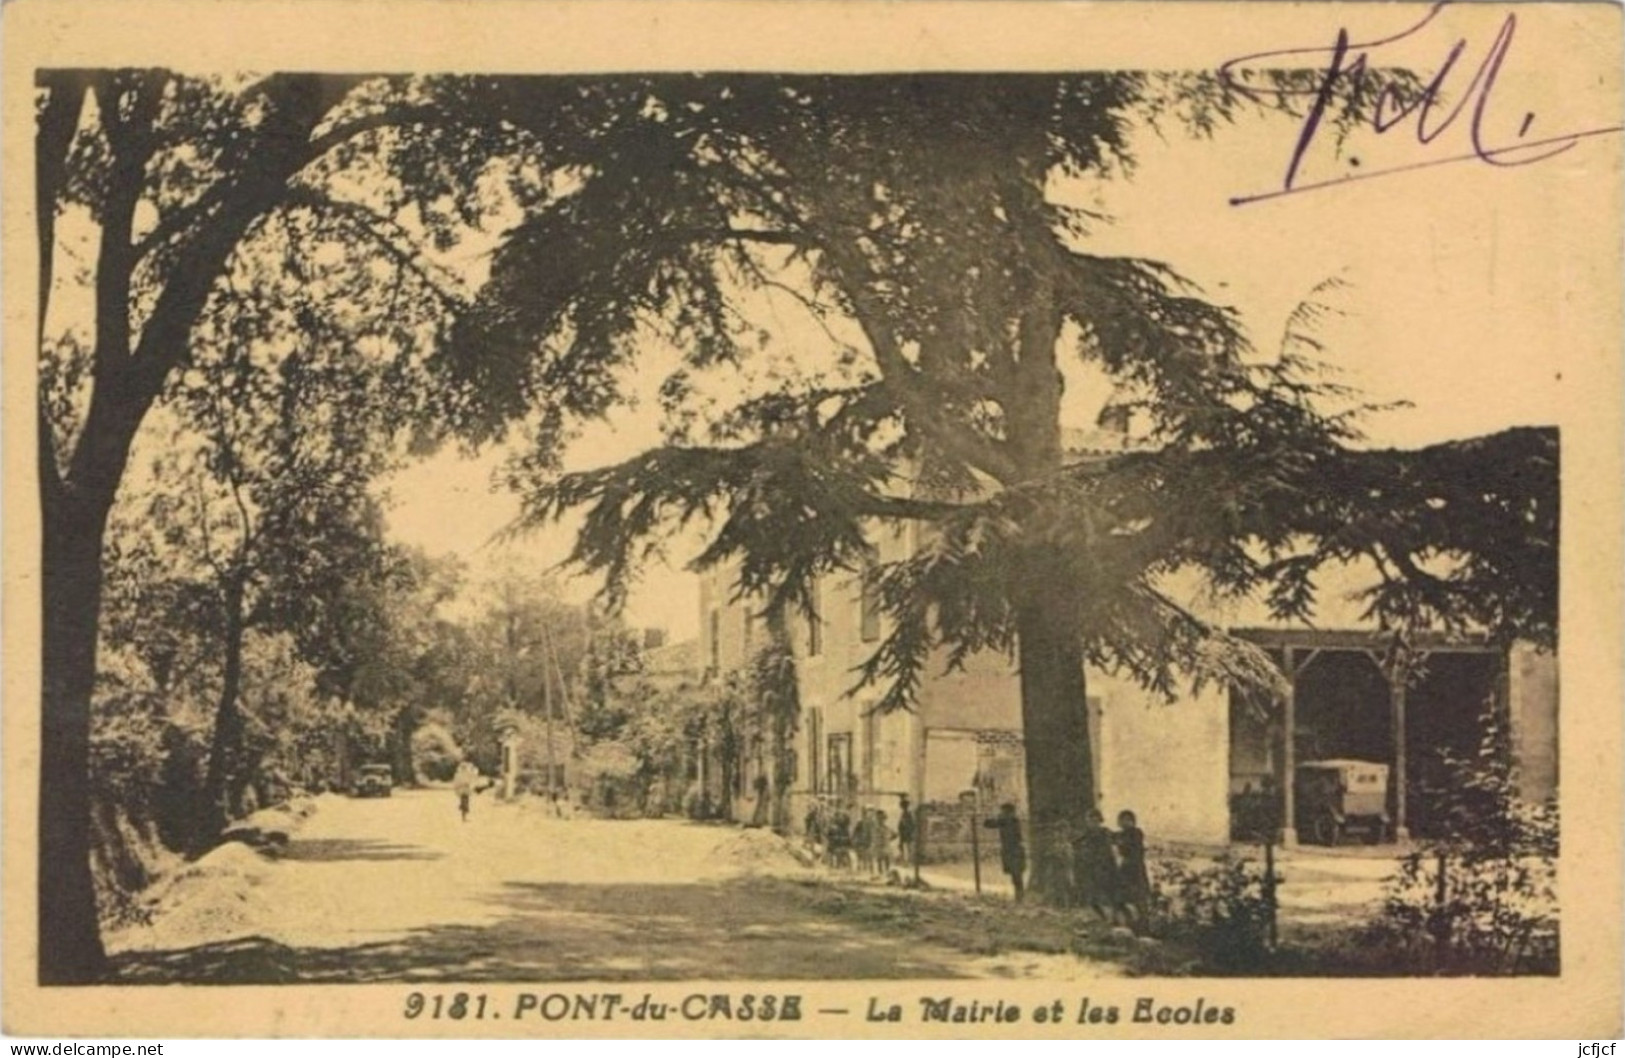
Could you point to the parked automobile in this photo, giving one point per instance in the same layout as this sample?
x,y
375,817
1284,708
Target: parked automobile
x,y
374,780
1338,797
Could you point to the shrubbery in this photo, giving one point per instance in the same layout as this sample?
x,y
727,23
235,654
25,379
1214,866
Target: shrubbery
x,y
1481,897
1222,911
435,752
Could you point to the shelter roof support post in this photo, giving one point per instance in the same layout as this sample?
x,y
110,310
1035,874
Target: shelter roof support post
x,y
1397,688
1399,666
1289,754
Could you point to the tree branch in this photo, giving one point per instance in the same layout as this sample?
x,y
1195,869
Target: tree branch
x,y
366,220
181,219
921,406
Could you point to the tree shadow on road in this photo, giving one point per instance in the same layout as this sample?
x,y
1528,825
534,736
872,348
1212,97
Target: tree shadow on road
x,y
731,930
331,849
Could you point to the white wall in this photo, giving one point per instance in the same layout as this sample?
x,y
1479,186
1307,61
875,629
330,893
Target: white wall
x,y
1168,762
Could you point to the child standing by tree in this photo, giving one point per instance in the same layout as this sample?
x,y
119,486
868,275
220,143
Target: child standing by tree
x,y
1012,853
1094,867
905,834
1133,882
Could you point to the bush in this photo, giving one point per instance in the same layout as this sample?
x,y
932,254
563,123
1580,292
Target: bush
x,y
127,729
1222,911
1480,898
697,803
435,753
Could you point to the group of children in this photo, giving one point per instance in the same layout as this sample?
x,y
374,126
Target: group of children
x,y
1108,869
1109,872
846,843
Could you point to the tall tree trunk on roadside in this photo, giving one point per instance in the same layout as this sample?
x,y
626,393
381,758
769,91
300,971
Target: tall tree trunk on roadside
x,y
1054,710
729,764
225,750
77,488
776,669
70,945
1054,719
401,761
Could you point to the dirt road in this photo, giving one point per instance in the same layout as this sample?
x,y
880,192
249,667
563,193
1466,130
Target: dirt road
x,y
402,889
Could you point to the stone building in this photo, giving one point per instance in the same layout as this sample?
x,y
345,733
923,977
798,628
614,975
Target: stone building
x,y
1184,765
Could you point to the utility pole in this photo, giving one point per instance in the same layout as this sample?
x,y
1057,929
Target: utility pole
x,y
564,701
547,709
975,832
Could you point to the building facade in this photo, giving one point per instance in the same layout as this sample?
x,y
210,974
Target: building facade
x,y
1187,767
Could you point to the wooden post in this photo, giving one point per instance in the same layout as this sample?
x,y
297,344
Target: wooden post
x,y
1397,689
921,734
1289,751
1442,926
976,840
1269,889
919,841
1397,665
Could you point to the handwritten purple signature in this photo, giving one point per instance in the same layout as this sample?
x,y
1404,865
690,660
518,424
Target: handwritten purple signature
x,y
1423,111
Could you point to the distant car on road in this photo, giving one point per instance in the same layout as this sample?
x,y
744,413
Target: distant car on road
x,y
374,780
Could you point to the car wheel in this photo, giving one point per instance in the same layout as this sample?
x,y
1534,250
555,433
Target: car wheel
x,y
1327,830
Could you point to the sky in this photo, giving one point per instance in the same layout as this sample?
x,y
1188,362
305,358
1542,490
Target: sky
x,y
1453,293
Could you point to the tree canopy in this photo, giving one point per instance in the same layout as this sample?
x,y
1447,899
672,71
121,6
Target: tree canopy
x,y
874,292
927,232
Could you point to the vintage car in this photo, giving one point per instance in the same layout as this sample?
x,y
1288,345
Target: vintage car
x,y
1336,798
374,780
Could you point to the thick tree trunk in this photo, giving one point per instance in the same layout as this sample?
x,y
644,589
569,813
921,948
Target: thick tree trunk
x,y
74,509
1054,717
401,761
77,493
786,706
729,766
1054,712
226,748
70,946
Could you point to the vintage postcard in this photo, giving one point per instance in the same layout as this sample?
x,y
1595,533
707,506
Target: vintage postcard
x,y
729,518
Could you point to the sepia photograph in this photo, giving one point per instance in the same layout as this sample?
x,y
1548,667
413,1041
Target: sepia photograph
x,y
683,538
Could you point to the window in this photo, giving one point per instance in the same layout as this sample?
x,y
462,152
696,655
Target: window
x,y
1096,712
871,747
815,622
815,745
868,610
840,764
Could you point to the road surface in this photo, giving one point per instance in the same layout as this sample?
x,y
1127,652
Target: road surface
x,y
400,888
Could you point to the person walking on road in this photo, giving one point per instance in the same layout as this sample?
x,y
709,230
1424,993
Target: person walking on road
x,y
463,782
1012,853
